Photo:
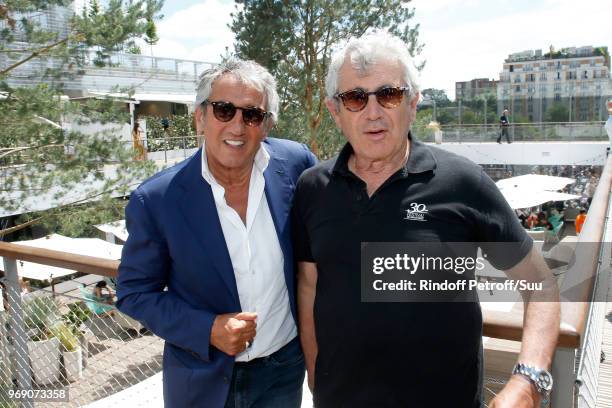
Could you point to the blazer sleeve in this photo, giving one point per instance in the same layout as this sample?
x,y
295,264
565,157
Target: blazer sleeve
x,y
143,276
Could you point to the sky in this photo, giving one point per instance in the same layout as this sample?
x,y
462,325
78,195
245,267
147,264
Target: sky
x,y
464,39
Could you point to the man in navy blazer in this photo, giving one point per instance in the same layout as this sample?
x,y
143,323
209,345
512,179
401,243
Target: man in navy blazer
x,y
208,265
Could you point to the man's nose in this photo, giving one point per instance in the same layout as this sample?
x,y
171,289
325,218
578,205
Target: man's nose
x,y
373,110
236,125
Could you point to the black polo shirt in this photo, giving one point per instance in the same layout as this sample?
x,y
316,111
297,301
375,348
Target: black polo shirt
x,y
397,354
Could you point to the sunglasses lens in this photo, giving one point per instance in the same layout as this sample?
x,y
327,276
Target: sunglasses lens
x,y
354,100
223,111
253,116
389,97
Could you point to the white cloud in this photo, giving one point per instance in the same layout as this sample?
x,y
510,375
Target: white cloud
x,y
199,32
204,21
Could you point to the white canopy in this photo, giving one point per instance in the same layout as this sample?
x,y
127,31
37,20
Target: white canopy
x,y
534,189
116,228
535,182
524,198
81,246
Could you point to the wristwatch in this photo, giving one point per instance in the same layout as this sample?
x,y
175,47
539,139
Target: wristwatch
x,y
539,377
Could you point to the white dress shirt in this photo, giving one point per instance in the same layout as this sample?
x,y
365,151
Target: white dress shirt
x,y
257,260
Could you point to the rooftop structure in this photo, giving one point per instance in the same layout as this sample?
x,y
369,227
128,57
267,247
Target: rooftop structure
x,y
168,84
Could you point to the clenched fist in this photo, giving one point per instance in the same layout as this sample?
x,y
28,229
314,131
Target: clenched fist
x,y
231,332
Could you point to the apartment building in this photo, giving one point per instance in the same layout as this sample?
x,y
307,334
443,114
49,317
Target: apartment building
x,y
531,82
474,89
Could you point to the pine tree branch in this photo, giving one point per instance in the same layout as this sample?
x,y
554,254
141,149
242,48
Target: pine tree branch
x,y
7,231
33,55
21,149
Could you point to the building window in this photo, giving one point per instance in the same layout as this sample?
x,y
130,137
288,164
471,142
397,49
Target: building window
x,y
511,68
557,97
558,75
585,75
518,88
543,76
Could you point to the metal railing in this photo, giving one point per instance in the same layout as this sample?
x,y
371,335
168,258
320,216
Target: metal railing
x,y
573,340
520,132
73,346
138,63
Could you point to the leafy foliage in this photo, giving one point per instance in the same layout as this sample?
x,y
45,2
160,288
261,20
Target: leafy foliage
x,y
437,95
40,153
558,112
179,135
295,39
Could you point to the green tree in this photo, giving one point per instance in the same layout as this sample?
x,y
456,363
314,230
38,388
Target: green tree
x,y
294,40
438,95
558,112
39,154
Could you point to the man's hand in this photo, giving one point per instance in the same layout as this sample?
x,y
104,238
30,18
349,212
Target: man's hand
x,y
518,393
231,332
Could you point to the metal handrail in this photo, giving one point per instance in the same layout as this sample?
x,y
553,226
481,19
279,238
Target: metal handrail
x,y
501,325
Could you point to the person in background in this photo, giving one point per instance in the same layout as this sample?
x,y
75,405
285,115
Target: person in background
x,y
579,222
504,125
103,293
138,141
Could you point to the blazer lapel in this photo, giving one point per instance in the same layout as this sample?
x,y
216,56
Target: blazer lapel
x,y
198,207
278,195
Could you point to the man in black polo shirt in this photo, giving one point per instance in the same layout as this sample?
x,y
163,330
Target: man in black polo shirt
x,y
385,186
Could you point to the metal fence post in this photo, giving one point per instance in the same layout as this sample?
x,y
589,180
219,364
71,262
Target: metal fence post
x,y
563,367
22,363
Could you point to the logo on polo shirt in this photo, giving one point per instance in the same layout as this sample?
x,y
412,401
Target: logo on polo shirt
x,y
416,212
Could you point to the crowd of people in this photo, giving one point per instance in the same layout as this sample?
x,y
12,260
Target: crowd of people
x,y
550,216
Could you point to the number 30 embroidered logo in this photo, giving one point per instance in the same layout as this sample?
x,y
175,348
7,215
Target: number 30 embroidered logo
x,y
416,212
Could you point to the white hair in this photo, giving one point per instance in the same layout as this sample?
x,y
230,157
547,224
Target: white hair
x,y
248,72
370,49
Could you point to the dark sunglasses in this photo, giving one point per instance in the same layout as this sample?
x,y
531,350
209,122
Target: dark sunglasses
x,y
387,97
225,111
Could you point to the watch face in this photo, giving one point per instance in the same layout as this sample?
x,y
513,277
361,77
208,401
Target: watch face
x,y
545,381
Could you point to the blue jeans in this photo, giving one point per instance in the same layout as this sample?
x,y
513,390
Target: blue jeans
x,y
274,381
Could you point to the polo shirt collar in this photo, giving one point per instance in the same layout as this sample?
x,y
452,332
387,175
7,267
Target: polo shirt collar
x,y
420,159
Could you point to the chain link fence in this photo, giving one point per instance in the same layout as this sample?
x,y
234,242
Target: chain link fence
x,y
78,348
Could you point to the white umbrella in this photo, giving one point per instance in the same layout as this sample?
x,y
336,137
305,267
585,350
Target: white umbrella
x,y
525,198
532,190
535,182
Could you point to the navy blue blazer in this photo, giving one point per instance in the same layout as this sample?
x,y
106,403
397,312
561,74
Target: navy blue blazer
x,y
176,242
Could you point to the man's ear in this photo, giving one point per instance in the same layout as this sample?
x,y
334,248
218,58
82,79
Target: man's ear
x,y
199,119
415,100
268,125
334,110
